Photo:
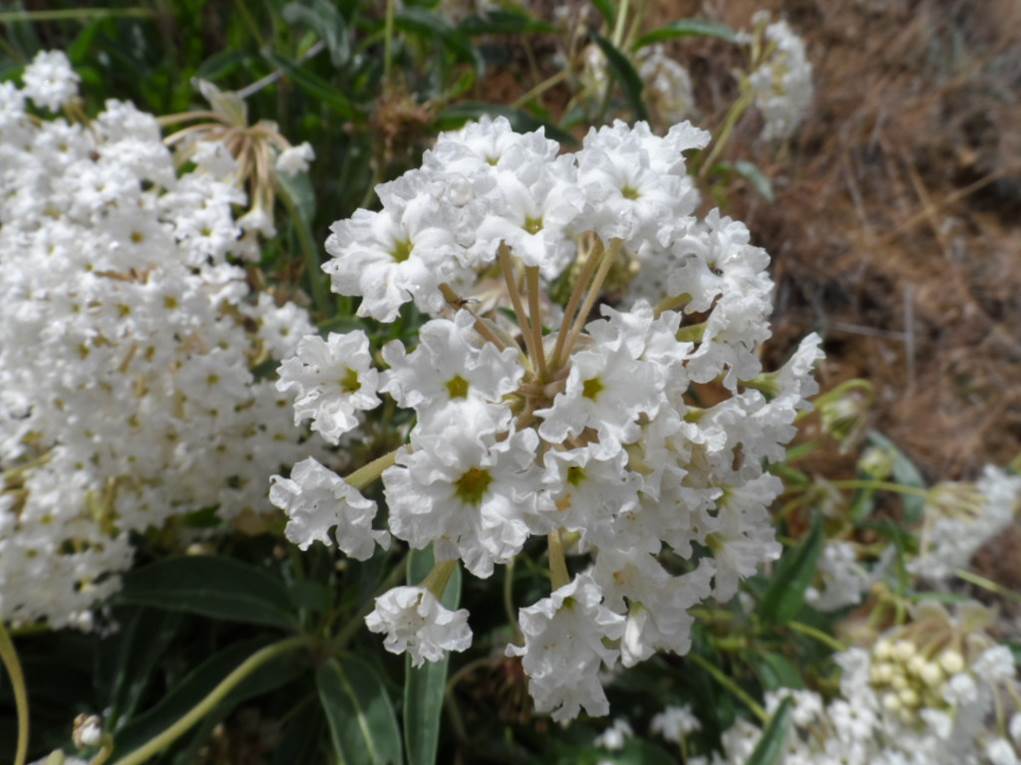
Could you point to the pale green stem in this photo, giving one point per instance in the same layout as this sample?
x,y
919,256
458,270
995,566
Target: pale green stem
x,y
729,122
987,584
9,657
619,27
535,318
157,744
822,637
507,267
508,599
368,473
436,580
590,299
388,41
731,686
591,262
542,87
672,303
74,14
896,488
557,562
320,295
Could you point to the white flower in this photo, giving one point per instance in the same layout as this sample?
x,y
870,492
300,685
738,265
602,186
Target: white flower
x,y
564,649
675,723
391,257
655,602
472,496
448,371
668,88
295,160
414,621
1000,752
843,580
316,500
782,84
50,81
331,380
613,737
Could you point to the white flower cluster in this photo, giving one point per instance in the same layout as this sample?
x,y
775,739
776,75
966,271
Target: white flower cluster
x,y
781,82
934,692
843,580
667,86
127,340
960,518
585,431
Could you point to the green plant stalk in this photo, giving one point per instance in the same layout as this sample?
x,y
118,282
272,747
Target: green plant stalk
x,y
987,584
369,472
618,30
558,575
738,109
822,637
158,743
320,295
731,686
388,41
74,14
9,657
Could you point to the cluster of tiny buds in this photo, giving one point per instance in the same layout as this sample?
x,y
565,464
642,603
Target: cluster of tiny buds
x,y
908,678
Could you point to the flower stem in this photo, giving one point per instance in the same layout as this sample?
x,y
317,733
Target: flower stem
x,y
320,295
507,266
731,686
436,580
369,472
388,41
736,110
9,657
593,294
557,563
157,744
535,318
572,303
542,87
822,637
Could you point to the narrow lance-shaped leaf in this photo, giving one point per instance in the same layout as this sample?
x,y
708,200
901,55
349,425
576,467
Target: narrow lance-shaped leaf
x,y
626,75
904,473
361,718
220,588
769,750
425,686
786,592
688,28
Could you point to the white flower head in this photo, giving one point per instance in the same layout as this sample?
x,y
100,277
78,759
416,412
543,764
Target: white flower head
x,y
331,380
317,500
414,621
50,81
564,649
295,160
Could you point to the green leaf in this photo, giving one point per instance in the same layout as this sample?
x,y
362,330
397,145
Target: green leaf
x,y
905,473
314,85
425,686
504,22
771,745
776,671
625,74
606,10
785,595
688,28
219,588
322,17
420,22
751,173
361,718
130,658
456,115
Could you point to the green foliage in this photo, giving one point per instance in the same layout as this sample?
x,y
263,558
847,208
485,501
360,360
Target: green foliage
x,y
361,718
